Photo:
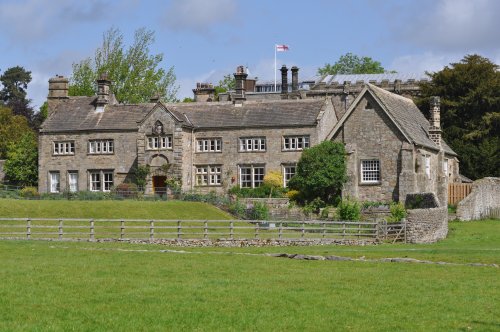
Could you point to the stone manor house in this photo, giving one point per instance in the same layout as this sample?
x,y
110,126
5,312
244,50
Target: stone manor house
x,y
94,143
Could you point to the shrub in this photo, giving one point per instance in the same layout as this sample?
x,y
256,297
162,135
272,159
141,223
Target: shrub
x,y
237,209
259,211
398,212
126,190
292,195
314,206
29,192
348,210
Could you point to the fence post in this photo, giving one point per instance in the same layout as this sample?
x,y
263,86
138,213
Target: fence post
x,y
359,230
60,229
385,229
151,231
122,229
205,230
28,228
343,229
324,230
179,229
231,229
303,229
92,234
257,230
280,231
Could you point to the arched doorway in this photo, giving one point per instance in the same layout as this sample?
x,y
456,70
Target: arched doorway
x,y
159,166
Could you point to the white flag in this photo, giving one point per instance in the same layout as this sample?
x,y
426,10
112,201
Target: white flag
x,y
282,48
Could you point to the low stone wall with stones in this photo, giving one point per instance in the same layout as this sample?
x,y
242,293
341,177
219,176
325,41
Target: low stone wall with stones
x,y
485,195
279,208
426,225
2,174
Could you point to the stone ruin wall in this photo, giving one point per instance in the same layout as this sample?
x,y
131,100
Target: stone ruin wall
x,y
485,195
427,225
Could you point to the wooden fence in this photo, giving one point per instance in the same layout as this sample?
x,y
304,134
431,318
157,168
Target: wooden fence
x,y
130,229
458,191
494,213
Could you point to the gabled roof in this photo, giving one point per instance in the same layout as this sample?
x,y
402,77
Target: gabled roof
x,y
403,113
78,114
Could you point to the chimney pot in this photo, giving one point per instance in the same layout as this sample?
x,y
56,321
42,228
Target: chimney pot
x,y
435,121
295,78
284,82
240,77
103,85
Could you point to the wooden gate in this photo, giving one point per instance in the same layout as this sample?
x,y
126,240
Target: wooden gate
x,y
458,191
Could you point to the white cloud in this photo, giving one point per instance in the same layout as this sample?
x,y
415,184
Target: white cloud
x,y
36,20
454,25
198,15
420,63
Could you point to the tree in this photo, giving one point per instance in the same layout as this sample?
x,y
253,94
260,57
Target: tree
x,y
352,64
136,74
21,166
15,81
226,84
321,172
273,180
470,112
12,128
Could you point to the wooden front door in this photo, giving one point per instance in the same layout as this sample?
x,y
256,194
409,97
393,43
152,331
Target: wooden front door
x,y
159,186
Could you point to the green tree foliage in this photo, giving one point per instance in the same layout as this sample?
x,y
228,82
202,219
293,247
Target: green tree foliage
x,y
321,172
226,84
470,112
352,64
135,73
15,81
12,127
21,166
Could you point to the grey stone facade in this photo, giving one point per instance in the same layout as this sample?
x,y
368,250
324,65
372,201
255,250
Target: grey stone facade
x,y
387,131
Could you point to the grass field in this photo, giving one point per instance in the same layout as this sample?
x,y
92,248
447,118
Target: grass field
x,y
83,286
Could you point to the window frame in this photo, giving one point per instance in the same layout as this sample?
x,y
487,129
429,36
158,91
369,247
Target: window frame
x,y
292,142
161,142
371,175
101,146
98,181
209,145
208,175
286,175
254,177
63,148
252,144
54,187
70,174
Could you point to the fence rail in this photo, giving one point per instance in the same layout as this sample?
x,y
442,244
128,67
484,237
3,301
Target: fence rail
x,y
141,229
458,191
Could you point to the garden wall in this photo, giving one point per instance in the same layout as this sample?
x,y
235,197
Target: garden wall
x,y
426,225
279,208
485,195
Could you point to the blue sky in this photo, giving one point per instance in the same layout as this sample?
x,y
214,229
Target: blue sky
x,y
205,39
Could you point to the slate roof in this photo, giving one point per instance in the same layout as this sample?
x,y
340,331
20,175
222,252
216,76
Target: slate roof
x,y
78,114
404,113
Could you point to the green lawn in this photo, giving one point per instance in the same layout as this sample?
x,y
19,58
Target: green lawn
x,y
127,209
86,286
60,286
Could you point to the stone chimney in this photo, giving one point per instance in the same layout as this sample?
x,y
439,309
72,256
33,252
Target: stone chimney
x,y
58,90
435,121
295,78
103,96
284,82
204,92
240,76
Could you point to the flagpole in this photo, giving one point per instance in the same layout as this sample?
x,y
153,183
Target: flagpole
x,y
274,67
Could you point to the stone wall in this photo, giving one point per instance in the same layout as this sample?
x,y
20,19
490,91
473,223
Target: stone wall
x,y
426,225
2,174
279,208
485,195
